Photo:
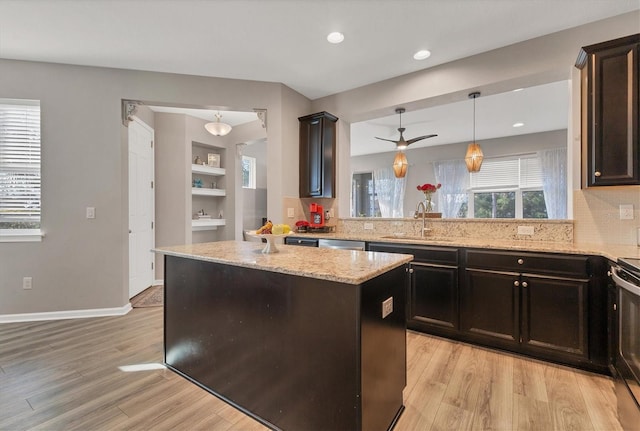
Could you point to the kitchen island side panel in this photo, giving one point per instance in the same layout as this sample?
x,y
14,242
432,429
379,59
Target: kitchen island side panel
x,y
285,349
384,349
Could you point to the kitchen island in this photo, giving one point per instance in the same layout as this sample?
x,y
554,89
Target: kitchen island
x,y
303,339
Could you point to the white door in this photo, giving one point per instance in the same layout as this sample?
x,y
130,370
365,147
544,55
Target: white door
x,y
141,207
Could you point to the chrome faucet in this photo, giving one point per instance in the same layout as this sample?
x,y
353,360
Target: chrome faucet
x,y
424,214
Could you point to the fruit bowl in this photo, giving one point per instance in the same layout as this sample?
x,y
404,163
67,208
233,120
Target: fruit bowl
x,y
270,246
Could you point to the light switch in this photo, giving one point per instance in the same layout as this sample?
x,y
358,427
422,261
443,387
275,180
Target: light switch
x,y
91,212
387,307
291,213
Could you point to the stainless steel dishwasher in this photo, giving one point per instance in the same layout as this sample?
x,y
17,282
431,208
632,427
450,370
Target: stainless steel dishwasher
x,y
341,244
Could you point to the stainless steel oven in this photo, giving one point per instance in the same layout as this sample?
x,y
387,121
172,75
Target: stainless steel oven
x,y
626,356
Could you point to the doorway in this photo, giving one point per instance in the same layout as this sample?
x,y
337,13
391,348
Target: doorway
x,y
141,206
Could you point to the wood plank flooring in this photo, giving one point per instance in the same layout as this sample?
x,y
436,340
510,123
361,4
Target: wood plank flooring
x,y
64,375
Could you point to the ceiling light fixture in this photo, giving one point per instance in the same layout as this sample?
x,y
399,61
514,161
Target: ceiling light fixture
x,y
335,37
401,145
218,128
474,155
422,54
518,124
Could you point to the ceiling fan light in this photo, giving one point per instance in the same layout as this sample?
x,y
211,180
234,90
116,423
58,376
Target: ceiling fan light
x,y
474,157
218,128
402,145
400,165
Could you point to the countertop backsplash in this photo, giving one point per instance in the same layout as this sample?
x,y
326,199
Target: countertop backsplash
x,y
543,230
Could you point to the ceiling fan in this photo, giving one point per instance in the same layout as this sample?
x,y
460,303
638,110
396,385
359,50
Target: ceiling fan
x,y
401,143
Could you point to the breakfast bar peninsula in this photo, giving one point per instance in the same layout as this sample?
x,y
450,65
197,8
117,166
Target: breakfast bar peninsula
x,y
301,339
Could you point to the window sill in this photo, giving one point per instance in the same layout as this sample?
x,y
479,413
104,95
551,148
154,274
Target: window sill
x,y
21,235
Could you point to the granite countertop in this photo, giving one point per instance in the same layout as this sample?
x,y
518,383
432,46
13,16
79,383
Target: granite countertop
x,y
345,266
610,251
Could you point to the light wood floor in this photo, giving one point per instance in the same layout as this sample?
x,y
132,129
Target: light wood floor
x,y
64,375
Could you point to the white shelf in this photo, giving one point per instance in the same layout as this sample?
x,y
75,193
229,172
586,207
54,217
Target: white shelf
x,y
201,191
207,224
207,170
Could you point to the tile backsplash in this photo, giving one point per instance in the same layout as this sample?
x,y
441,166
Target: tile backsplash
x,y
597,215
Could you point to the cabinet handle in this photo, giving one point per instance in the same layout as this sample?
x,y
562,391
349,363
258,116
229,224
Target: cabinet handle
x,y
525,284
609,273
516,283
520,261
299,241
410,270
597,173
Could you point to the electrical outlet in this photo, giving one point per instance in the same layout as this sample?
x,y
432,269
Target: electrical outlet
x,y
387,307
368,226
626,212
27,282
331,213
91,212
291,213
525,230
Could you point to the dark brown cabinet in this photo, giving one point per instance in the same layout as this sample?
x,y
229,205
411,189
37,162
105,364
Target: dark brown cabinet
x,y
432,300
317,155
610,112
305,242
528,302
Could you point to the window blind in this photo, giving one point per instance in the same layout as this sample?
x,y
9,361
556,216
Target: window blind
x,y
521,172
19,164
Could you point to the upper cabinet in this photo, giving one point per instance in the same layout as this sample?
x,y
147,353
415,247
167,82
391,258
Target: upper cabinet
x,y
317,155
610,110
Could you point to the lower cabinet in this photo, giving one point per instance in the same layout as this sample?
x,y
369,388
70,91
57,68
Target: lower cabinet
x,y
535,303
432,297
303,241
546,305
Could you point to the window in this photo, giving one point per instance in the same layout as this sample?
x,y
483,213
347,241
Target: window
x,y
248,172
507,188
19,170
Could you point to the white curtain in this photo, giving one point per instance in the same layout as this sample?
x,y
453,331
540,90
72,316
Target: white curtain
x,y
454,177
389,192
554,181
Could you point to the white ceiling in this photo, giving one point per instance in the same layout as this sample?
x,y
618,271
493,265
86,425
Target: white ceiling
x,y
281,40
285,41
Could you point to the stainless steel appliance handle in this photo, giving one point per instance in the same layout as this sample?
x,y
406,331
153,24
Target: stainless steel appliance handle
x,y
624,283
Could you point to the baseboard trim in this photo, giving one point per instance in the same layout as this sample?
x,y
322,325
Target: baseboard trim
x,y
158,283
70,314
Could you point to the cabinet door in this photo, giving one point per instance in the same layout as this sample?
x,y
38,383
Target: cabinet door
x,y
490,306
317,161
612,116
554,315
433,296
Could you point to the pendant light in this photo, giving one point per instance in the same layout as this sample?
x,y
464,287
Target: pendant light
x,y
400,165
218,128
474,155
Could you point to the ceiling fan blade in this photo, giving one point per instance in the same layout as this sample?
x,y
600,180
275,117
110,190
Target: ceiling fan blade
x,y
419,138
390,140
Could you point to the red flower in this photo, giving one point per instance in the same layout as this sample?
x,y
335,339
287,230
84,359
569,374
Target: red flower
x,y
429,187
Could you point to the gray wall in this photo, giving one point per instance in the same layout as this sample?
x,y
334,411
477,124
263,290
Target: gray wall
x,y
81,263
536,61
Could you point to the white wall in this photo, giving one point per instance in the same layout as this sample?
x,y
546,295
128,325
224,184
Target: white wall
x,y
81,263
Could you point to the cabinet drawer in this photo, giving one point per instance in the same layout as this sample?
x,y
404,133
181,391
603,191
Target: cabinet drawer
x,y
548,263
424,254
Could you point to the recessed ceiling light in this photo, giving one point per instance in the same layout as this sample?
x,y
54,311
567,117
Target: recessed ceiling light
x,y
518,124
335,37
422,54
518,89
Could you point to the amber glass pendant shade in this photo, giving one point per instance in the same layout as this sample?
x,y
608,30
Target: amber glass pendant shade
x,y
474,157
400,165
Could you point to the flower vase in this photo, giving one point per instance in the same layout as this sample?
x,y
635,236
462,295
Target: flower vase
x,y
428,205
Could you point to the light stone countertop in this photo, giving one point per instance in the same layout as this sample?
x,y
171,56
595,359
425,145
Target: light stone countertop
x,y
345,266
609,251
